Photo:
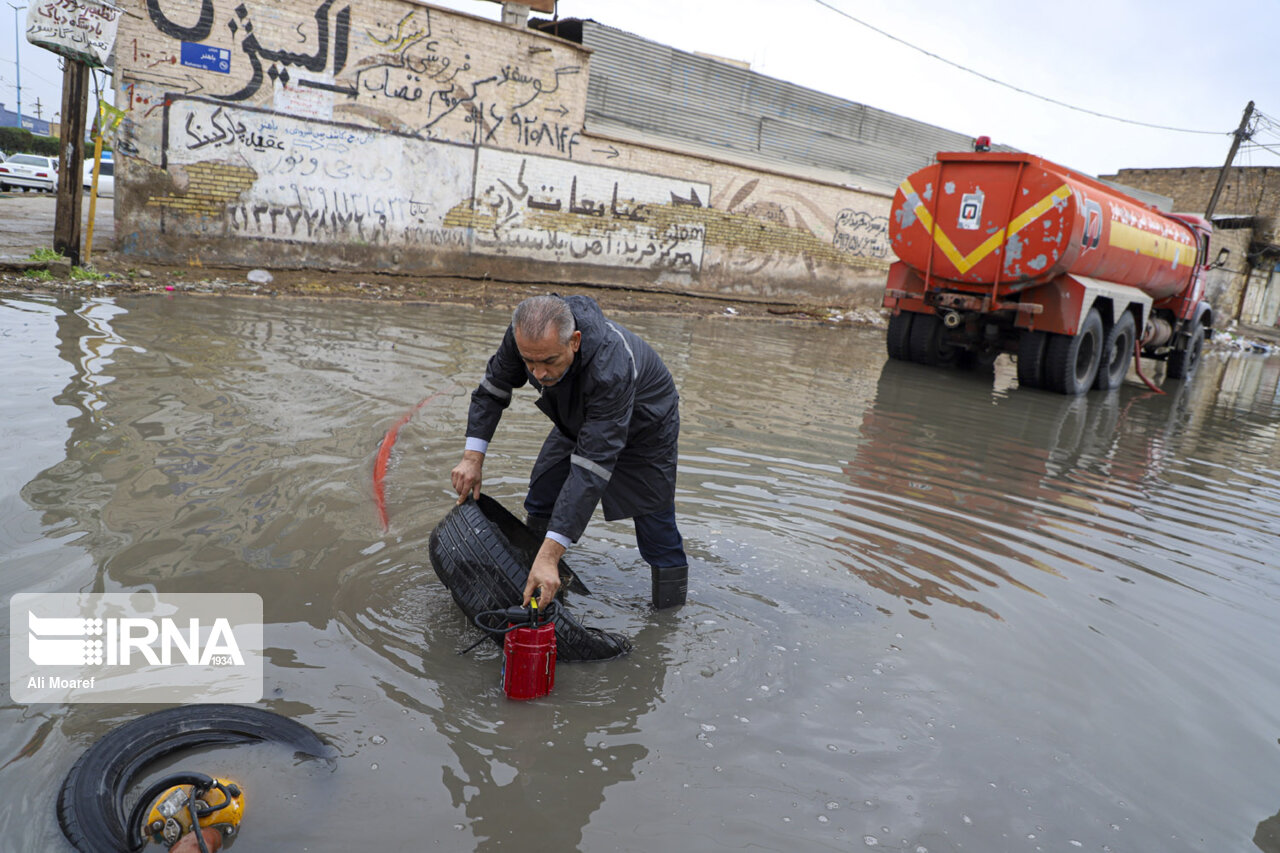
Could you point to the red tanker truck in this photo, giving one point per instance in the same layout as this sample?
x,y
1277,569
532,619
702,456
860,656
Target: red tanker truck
x,y
1007,252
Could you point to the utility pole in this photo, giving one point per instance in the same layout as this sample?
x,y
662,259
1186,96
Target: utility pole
x,y
1241,132
17,58
75,102
39,110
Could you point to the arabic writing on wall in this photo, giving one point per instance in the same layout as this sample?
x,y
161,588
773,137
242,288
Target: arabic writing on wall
x,y
548,209
322,181
389,124
373,62
862,234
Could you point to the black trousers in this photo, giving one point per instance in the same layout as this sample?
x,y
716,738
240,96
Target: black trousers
x,y
657,536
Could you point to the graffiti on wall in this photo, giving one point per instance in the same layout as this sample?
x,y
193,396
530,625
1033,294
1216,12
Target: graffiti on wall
x,y
549,209
349,62
321,181
385,123
861,234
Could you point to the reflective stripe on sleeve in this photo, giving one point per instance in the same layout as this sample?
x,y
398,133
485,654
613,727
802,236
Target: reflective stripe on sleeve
x,y
494,389
634,372
584,462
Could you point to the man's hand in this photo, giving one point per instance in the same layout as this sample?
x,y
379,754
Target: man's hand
x,y
466,475
545,573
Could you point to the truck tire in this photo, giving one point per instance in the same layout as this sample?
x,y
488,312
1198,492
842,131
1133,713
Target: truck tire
x,y
482,553
929,344
898,339
1183,362
91,808
1071,361
1117,350
1031,349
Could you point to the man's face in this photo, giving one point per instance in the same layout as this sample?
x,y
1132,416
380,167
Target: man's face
x,y
546,358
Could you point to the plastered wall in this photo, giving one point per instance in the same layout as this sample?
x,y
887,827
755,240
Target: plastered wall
x,y
393,136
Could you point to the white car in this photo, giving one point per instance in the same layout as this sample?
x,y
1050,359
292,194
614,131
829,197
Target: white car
x,y
29,171
106,177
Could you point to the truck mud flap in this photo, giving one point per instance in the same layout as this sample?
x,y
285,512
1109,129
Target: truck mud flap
x,y
482,553
91,809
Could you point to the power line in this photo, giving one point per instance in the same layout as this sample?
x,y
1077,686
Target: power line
x,y
998,82
1263,145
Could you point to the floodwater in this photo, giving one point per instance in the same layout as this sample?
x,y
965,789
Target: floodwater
x,y
928,611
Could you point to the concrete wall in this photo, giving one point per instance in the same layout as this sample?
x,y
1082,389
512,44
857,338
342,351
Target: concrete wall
x,y
393,136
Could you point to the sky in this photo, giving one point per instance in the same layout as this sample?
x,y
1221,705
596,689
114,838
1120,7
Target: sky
x,y
1174,63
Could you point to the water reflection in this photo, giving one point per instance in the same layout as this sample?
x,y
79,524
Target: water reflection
x,y
928,609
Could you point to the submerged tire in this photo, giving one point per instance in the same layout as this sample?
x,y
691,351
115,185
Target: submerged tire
x,y
91,808
1031,350
1071,361
1183,362
929,344
482,553
1117,351
898,338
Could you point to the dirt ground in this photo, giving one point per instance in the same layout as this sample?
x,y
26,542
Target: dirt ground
x,y
27,223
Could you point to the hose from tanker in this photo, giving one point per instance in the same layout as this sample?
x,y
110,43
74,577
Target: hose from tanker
x,y
1137,365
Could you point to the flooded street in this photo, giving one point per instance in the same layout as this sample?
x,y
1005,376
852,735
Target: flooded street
x,y
928,611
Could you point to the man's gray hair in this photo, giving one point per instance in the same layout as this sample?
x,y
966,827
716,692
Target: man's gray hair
x,y
537,314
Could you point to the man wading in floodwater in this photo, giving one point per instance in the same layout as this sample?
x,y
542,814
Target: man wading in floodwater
x,y
617,420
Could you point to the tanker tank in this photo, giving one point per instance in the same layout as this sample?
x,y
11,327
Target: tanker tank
x,y
1016,220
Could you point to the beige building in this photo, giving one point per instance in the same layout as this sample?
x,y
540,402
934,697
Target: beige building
x,y
1246,287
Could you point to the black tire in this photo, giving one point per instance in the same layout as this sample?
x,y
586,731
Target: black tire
x,y
91,809
898,338
482,553
1117,351
1071,361
1031,350
1184,361
929,344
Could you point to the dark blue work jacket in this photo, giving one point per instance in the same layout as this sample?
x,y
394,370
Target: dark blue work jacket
x,y
616,415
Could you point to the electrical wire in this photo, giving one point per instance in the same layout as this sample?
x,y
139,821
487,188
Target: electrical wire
x,y
1022,91
1255,144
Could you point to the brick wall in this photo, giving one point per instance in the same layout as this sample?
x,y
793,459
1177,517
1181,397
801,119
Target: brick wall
x,y
1249,192
390,135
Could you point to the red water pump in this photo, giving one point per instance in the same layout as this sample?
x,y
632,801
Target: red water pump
x,y
528,648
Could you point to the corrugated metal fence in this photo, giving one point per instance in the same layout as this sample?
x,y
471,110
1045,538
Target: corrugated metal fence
x,y
660,91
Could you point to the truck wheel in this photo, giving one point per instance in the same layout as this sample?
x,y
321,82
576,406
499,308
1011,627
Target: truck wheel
x,y
898,340
928,343
1031,348
1117,350
1183,362
1071,361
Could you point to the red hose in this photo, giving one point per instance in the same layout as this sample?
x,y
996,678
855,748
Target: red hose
x,y
1137,365
384,455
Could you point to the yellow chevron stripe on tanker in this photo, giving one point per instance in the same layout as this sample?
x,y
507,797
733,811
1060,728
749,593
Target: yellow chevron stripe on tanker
x,y
1152,245
964,263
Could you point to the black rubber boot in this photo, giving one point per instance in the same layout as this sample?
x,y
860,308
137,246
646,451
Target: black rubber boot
x,y
537,525
670,586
